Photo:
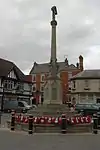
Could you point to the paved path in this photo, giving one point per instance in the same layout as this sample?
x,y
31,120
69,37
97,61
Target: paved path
x,y
22,141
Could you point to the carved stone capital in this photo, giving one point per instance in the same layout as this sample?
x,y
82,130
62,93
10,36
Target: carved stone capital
x,y
54,22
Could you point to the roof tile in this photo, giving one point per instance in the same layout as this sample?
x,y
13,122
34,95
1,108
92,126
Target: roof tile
x,y
43,68
87,74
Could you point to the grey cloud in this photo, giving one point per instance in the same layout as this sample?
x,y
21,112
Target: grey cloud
x,y
25,30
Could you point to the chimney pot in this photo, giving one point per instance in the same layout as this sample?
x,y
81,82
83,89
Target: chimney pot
x,y
66,61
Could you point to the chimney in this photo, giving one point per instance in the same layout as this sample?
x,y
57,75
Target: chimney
x,y
66,62
81,62
35,63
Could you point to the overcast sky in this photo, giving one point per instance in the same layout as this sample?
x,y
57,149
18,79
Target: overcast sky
x,y
25,31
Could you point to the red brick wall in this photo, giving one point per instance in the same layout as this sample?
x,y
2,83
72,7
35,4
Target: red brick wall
x,y
38,80
28,78
64,79
64,83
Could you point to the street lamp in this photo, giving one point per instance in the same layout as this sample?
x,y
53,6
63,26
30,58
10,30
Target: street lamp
x,y
2,100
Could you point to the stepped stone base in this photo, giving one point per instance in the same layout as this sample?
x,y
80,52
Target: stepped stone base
x,y
51,110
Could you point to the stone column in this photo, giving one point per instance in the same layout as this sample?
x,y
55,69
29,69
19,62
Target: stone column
x,y
53,81
53,41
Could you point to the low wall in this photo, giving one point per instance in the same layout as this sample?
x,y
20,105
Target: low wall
x,y
50,128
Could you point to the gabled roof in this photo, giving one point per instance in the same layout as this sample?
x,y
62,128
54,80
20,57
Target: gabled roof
x,y
87,74
45,67
7,66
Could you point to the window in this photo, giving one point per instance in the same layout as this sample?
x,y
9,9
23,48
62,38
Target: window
x,y
42,77
12,75
8,84
34,87
20,86
69,86
34,78
42,88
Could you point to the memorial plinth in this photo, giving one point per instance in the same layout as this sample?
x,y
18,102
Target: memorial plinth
x,y
54,110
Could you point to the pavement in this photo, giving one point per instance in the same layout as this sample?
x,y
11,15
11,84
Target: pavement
x,y
23,141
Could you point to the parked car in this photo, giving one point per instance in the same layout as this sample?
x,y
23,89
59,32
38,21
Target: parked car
x,y
87,109
18,106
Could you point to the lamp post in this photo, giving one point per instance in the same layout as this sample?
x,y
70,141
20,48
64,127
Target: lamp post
x,y
2,104
2,100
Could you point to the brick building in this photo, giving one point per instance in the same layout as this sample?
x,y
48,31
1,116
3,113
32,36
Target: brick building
x,y
39,73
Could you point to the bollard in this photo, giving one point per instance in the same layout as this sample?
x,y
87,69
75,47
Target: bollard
x,y
98,115
30,128
12,121
95,124
63,124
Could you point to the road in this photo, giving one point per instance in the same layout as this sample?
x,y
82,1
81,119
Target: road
x,y
22,141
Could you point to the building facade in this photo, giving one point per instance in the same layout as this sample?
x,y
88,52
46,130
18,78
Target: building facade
x,y
86,87
39,73
14,85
